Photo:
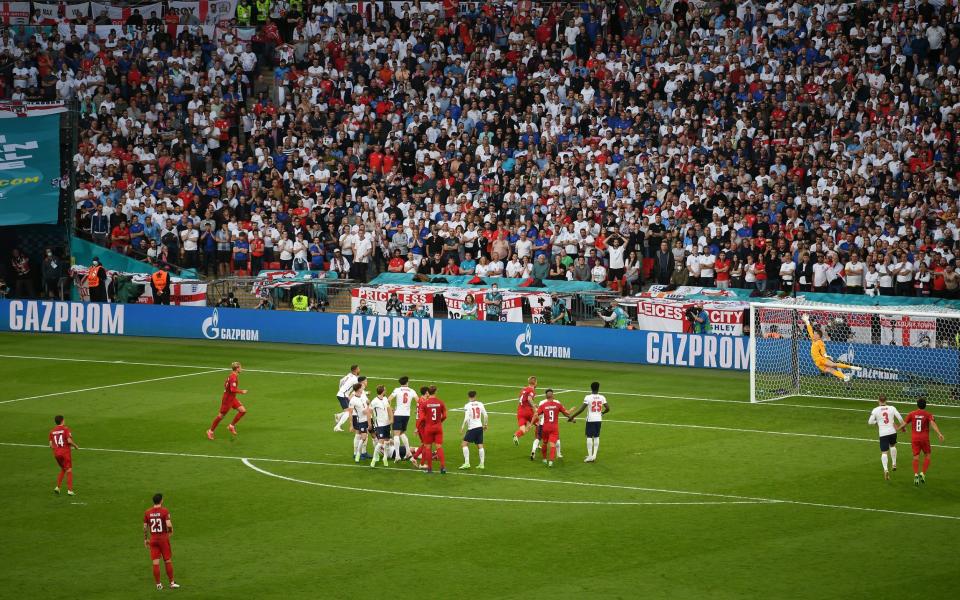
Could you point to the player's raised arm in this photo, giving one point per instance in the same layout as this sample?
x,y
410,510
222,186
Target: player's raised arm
x,y
806,321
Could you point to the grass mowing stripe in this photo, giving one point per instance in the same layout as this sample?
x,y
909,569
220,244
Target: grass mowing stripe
x,y
532,479
112,385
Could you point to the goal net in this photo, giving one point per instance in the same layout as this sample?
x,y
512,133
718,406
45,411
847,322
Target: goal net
x,y
901,352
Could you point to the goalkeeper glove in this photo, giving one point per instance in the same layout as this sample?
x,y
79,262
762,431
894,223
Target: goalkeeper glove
x,y
806,318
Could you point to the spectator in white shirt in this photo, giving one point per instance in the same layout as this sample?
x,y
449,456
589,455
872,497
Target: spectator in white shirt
x,y
854,270
707,262
820,269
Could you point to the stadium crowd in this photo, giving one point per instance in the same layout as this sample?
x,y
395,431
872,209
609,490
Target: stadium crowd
x,y
750,144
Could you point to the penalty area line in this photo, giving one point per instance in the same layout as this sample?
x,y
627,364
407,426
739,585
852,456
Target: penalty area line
x,y
249,463
752,499
112,385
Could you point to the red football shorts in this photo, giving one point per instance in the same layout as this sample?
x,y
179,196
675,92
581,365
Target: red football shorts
x,y
524,416
921,446
160,548
228,405
64,460
550,435
432,434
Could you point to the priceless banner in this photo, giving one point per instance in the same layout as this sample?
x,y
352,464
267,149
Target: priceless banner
x,y
726,318
376,298
29,164
15,13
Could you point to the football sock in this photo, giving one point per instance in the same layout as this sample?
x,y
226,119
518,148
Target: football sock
x,y
519,432
837,373
843,366
916,465
883,459
70,476
216,421
427,457
405,441
893,456
343,418
543,450
356,443
156,573
483,455
443,460
237,417
559,451
553,452
60,477
466,455
536,444
926,465
596,446
589,446
169,566
396,447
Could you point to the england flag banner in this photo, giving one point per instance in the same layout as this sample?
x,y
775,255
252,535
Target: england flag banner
x,y
119,14
46,12
376,299
208,12
181,294
15,13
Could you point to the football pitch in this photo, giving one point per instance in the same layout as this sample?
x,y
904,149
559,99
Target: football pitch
x,y
696,493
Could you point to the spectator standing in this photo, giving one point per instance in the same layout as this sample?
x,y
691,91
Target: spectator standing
x,y
23,275
97,281
493,303
54,270
854,271
100,227
663,264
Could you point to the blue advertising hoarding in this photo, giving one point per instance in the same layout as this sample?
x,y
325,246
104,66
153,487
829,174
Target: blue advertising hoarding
x,y
509,339
29,170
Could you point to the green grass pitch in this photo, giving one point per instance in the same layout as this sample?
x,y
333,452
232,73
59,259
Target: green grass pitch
x,y
696,494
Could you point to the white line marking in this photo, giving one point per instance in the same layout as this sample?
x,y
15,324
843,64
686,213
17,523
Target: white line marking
x,y
112,385
250,464
468,384
740,430
532,479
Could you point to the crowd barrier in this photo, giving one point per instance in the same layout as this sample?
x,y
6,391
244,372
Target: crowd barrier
x,y
508,339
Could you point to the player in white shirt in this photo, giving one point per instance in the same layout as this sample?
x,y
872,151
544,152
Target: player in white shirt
x,y
596,406
475,421
883,417
359,410
382,415
536,439
344,391
404,396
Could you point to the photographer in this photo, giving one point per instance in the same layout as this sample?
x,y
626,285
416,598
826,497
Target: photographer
x,y
615,317
698,318
394,306
229,302
558,314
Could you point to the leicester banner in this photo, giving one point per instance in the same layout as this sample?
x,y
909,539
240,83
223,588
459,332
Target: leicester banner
x,y
29,170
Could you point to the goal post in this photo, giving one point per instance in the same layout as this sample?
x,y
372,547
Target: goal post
x,y
902,352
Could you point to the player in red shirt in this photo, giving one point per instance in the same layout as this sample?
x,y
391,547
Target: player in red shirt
x,y
229,402
421,399
525,409
61,441
434,414
919,422
551,411
157,528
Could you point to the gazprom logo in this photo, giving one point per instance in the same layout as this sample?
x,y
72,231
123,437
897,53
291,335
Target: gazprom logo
x,y
525,347
212,331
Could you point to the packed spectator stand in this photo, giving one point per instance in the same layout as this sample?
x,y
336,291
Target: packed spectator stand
x,y
765,145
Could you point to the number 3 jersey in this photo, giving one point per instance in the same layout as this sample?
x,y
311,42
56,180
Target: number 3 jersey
x,y
884,417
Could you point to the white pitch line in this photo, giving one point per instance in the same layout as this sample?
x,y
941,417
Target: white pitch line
x,y
741,430
463,383
250,464
112,385
531,479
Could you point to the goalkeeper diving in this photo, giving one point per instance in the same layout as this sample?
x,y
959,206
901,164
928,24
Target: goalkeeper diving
x,y
818,352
